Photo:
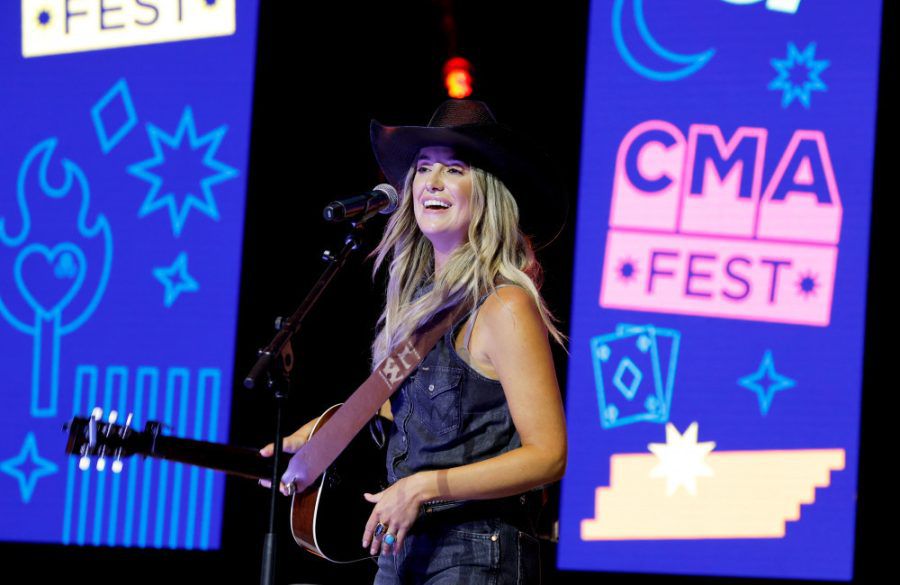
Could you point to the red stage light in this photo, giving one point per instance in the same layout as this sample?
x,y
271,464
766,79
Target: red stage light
x,y
458,77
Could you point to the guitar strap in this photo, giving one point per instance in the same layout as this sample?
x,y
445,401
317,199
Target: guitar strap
x,y
326,444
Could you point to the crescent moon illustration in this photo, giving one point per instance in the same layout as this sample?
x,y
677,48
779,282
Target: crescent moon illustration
x,y
691,63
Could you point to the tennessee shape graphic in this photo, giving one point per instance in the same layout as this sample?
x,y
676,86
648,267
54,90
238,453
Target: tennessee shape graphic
x,y
683,489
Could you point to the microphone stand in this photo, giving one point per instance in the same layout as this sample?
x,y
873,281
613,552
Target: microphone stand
x,y
274,365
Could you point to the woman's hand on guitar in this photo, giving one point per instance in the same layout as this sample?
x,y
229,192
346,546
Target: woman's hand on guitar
x,y
292,444
396,508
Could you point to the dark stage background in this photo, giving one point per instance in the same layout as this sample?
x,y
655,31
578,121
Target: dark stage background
x,y
324,70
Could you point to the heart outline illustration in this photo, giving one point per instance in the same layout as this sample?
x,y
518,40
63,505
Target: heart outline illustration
x,y
50,255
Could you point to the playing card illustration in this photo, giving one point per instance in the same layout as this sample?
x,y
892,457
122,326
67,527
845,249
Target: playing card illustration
x,y
634,380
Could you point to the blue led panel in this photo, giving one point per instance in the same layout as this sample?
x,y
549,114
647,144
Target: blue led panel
x,y
125,129
719,287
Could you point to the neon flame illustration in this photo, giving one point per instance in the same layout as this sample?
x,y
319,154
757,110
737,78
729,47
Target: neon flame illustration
x,y
60,268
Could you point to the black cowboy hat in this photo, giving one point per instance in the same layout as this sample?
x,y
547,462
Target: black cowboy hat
x,y
470,128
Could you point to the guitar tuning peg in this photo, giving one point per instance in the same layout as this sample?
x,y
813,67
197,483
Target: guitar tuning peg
x,y
92,431
97,413
113,417
128,420
84,463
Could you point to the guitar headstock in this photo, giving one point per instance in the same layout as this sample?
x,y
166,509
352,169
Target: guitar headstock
x,y
92,437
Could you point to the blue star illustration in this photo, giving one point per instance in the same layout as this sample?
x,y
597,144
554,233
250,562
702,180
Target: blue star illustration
x,y
161,196
765,382
176,279
801,86
28,467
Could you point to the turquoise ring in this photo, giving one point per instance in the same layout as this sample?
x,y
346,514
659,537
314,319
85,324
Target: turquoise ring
x,y
389,539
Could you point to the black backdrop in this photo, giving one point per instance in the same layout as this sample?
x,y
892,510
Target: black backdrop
x,y
324,69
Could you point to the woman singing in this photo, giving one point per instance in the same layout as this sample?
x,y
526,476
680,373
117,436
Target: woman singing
x,y
479,426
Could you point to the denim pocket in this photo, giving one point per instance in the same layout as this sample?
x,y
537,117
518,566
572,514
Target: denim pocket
x,y
469,553
529,559
437,396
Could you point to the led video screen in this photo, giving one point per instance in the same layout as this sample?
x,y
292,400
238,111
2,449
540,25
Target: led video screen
x,y
125,131
719,290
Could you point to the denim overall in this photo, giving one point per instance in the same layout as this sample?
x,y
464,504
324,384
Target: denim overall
x,y
446,414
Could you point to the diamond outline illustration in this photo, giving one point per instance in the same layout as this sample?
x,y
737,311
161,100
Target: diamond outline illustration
x,y
627,390
107,142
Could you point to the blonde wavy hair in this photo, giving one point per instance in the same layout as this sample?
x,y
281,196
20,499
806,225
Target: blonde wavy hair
x,y
495,251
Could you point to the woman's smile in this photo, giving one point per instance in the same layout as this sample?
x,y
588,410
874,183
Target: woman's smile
x,y
442,193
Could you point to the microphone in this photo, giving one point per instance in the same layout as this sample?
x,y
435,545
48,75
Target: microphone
x,y
383,199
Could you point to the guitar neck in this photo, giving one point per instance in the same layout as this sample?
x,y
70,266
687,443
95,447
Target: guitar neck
x,y
241,461
92,437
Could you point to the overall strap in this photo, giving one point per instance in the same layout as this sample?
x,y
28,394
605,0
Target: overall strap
x,y
474,315
326,444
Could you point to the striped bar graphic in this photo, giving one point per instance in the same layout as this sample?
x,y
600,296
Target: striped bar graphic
x,y
152,503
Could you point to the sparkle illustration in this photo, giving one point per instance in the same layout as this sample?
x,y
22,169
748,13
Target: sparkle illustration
x,y
807,284
681,459
766,382
28,467
798,75
179,197
175,279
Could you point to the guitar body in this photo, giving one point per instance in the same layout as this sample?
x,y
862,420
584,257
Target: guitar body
x,y
328,518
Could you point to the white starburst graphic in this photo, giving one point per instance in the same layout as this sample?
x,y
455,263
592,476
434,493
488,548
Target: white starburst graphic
x,y
681,459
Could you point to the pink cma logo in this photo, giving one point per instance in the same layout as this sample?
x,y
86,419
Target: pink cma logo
x,y
693,230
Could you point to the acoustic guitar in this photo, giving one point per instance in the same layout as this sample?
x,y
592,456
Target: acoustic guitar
x,y
327,519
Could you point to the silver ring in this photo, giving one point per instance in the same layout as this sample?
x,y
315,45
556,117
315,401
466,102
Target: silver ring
x,y
380,529
389,539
